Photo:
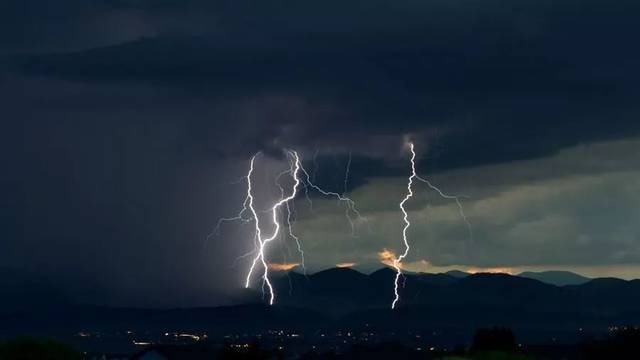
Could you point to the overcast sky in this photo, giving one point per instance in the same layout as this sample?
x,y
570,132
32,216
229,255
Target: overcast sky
x,y
126,125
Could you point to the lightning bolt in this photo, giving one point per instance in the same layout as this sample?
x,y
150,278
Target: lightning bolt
x,y
263,242
346,174
248,214
290,224
397,262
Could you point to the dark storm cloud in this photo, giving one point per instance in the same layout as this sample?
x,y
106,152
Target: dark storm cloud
x,y
503,81
125,121
40,26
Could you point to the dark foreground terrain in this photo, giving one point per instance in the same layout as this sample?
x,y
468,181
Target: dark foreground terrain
x,y
343,313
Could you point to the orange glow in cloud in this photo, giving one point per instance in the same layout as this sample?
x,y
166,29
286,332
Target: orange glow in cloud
x,y
283,266
346,265
387,257
496,270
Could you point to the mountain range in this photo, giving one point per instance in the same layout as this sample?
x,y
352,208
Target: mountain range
x,y
342,297
559,278
340,291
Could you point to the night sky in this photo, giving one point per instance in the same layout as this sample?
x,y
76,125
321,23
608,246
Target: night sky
x,y
127,125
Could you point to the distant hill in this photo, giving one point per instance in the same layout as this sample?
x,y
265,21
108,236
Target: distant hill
x,y
558,278
457,273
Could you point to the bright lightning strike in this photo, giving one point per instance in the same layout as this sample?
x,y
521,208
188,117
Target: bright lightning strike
x,y
263,242
397,262
248,214
289,223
